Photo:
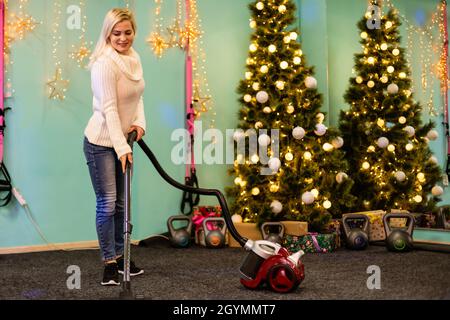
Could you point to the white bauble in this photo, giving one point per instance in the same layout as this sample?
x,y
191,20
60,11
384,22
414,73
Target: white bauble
x,y
236,218
410,131
264,140
337,142
437,191
267,110
433,159
400,176
432,134
276,206
392,88
258,125
321,129
298,133
311,82
308,197
382,142
274,164
327,147
341,176
238,135
262,97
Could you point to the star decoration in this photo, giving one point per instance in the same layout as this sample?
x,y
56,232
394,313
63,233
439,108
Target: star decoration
x,y
202,101
80,53
158,43
57,86
18,26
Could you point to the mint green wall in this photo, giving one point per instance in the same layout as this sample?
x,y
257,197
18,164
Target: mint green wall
x,y
44,137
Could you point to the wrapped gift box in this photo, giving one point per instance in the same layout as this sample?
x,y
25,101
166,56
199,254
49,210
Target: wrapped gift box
x,y
295,228
398,222
376,227
245,229
311,242
251,231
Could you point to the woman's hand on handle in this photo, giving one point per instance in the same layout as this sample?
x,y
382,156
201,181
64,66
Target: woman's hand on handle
x,y
123,159
139,130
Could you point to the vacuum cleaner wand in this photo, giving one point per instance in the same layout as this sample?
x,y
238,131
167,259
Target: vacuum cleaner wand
x,y
209,192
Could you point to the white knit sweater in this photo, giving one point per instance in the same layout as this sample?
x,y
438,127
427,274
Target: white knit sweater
x,y
117,85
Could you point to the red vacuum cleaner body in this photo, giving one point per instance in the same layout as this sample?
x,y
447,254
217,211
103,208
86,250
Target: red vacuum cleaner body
x,y
269,264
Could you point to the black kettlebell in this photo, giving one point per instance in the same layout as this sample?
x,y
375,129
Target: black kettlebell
x,y
181,237
356,238
215,238
271,236
399,239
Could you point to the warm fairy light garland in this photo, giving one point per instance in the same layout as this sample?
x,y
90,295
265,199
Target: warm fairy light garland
x,y
81,52
17,26
176,36
57,86
437,69
201,93
156,39
21,23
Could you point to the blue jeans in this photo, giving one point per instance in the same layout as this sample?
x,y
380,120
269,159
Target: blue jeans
x,y
107,179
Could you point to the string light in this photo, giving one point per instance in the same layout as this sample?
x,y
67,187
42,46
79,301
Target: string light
x,y
57,86
20,24
17,26
177,35
156,40
427,44
81,52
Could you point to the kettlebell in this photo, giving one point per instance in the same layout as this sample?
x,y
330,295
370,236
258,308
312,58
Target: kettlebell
x,y
181,237
215,238
356,238
399,239
271,236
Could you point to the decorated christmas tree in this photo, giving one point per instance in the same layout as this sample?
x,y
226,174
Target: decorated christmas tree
x,y
308,179
386,143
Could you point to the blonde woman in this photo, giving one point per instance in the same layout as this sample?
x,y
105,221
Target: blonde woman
x,y
117,85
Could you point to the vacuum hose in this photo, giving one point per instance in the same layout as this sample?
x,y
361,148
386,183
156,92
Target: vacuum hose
x,y
208,192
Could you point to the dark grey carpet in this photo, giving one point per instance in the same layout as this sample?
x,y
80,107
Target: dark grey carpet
x,y
208,274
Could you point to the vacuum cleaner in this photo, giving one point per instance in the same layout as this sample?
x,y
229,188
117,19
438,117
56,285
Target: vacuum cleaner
x,y
267,263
